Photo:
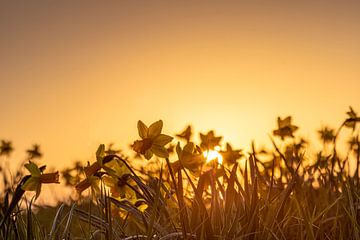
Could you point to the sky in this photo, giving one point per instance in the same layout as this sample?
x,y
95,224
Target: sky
x,y
77,74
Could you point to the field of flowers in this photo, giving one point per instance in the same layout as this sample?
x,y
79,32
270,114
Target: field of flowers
x,y
174,188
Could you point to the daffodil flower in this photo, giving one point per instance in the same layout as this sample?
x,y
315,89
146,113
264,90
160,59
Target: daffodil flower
x,y
285,128
186,134
209,141
351,121
117,179
230,156
37,178
101,162
91,182
152,141
189,158
6,148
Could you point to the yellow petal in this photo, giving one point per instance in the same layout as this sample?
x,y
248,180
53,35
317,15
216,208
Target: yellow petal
x,y
33,169
100,153
109,181
31,184
155,129
148,154
189,147
142,207
159,151
162,139
142,129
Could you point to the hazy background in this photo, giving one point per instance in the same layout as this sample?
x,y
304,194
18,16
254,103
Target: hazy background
x,y
76,74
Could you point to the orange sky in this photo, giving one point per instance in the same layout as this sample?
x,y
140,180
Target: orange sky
x,y
73,75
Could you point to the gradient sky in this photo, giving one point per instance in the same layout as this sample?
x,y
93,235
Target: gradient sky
x,y
74,74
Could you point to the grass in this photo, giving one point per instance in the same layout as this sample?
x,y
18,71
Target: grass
x,y
274,194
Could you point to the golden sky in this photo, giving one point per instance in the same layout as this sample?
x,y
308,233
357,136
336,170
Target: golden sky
x,y
76,74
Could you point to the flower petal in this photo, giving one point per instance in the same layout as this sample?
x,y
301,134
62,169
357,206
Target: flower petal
x,y
155,129
31,184
142,129
100,154
148,154
159,151
33,169
162,139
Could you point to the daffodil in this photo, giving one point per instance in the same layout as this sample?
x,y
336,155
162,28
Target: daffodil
x,y
230,156
209,141
37,178
6,148
34,152
327,134
89,182
351,121
117,179
186,134
101,162
189,157
152,141
285,128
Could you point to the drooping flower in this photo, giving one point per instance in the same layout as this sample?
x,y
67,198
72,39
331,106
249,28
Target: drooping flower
x,y
351,121
152,141
285,128
37,178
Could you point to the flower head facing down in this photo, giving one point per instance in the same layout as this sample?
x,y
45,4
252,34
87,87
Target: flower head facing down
x,y
152,141
285,128
352,119
37,178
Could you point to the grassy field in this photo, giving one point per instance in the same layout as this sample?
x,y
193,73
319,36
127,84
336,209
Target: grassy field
x,y
173,188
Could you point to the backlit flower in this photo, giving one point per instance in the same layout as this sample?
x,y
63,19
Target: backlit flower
x,y
189,157
209,141
37,178
152,141
285,128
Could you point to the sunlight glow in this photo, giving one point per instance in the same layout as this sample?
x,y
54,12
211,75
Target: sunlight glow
x,y
213,154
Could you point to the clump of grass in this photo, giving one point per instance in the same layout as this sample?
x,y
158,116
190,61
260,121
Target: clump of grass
x,y
201,191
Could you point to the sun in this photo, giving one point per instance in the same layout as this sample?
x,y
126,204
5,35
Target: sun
x,y
211,155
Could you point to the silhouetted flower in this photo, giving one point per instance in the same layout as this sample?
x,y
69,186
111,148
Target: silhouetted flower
x,y
6,148
37,178
285,128
354,143
189,157
34,152
327,134
186,134
152,141
209,141
351,121
230,156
